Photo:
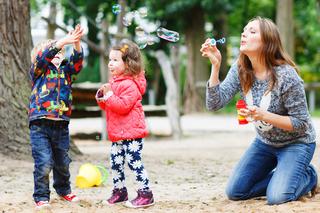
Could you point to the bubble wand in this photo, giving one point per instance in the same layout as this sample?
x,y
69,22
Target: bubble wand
x,y
214,41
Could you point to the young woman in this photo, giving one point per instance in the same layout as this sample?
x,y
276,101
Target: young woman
x,y
277,164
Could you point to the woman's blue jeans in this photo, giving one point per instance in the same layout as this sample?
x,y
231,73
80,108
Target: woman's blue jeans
x,y
281,174
50,145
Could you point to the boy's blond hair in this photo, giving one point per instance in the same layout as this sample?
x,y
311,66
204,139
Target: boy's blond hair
x,y
40,47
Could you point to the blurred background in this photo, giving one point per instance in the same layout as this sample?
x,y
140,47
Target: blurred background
x,y
190,22
169,34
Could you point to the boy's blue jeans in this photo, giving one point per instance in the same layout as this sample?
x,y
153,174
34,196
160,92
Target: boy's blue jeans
x,y
282,174
50,145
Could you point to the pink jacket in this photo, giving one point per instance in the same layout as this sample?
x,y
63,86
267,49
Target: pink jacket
x,y
124,112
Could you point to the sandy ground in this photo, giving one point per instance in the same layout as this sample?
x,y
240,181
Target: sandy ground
x,y
187,175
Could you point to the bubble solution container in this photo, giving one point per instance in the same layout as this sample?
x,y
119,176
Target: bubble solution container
x,y
241,104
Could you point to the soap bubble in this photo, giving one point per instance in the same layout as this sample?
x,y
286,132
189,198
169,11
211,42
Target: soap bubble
x,y
127,19
139,31
168,35
143,12
116,9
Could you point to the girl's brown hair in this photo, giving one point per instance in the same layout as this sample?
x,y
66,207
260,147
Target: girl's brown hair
x,y
131,57
272,54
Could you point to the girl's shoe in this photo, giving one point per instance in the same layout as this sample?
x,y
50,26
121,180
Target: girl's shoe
x,y
144,199
118,196
43,204
70,197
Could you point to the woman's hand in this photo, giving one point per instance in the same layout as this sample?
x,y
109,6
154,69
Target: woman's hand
x,y
210,51
253,113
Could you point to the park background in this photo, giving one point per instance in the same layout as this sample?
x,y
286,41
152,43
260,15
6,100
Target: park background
x,y
190,152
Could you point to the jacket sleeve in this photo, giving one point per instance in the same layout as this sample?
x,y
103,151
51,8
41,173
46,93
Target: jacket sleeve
x,y
123,101
102,105
294,99
74,65
43,59
220,95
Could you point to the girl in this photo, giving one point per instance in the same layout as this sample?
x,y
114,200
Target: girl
x,y
277,164
121,99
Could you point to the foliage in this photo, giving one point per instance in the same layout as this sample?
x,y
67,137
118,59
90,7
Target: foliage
x,y
174,15
230,107
307,20
89,73
245,10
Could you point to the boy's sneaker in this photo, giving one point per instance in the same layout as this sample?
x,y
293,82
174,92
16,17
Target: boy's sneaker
x,y
42,204
144,199
70,198
118,196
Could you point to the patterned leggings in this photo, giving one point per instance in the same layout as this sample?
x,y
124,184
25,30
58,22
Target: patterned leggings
x,y
129,150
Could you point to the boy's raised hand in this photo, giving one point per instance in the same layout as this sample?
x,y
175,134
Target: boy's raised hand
x,y
77,44
73,37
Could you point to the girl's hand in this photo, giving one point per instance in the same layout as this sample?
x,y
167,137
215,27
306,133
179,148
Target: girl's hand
x,y
210,51
106,88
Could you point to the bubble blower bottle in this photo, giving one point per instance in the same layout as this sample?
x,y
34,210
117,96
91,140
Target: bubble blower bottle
x,y
214,41
241,104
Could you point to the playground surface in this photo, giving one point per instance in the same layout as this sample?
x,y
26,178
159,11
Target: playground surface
x,y
187,175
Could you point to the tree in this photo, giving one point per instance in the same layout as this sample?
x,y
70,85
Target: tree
x,y
172,97
15,44
52,20
285,24
191,29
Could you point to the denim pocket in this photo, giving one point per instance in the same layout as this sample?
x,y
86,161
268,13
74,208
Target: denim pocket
x,y
35,128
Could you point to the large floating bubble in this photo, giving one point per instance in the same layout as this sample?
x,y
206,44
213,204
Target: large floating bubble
x,y
168,35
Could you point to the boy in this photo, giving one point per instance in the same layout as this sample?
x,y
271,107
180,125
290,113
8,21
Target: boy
x,y
49,115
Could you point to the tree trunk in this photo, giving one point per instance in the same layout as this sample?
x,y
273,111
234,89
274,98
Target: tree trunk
x,y
120,26
285,24
155,85
172,97
104,74
15,44
175,54
197,73
221,30
52,20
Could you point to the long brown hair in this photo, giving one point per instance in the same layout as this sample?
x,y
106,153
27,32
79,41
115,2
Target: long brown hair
x,y
272,54
131,57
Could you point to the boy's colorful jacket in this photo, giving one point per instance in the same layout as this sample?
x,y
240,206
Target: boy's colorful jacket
x,y
124,112
51,87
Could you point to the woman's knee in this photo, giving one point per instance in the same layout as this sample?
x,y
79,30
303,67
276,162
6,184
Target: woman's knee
x,y
279,198
234,194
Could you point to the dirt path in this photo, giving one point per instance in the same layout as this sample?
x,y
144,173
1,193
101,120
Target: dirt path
x,y
186,176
